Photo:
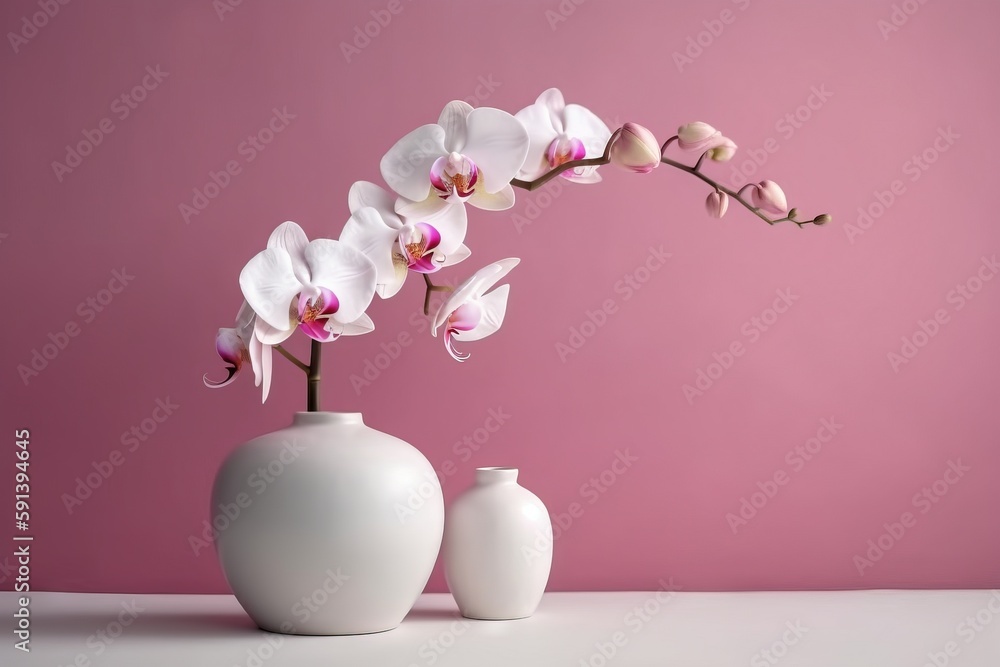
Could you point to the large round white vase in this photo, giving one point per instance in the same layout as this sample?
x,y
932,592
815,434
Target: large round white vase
x,y
327,527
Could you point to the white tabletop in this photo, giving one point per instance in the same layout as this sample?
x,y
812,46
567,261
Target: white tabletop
x,y
846,629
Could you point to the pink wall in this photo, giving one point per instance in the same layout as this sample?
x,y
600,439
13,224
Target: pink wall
x,y
886,99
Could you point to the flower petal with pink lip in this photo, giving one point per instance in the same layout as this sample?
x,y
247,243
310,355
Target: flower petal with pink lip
x,y
269,284
233,350
498,144
475,286
346,272
454,177
564,149
313,313
406,165
367,231
768,197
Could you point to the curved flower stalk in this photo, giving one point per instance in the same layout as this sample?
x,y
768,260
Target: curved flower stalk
x,y
470,313
560,132
396,244
476,156
468,155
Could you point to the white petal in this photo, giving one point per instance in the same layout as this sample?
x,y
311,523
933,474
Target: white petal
x,y
363,194
537,122
475,286
554,104
494,307
583,124
460,254
406,167
260,359
244,321
391,287
288,236
269,285
366,231
418,211
452,119
268,335
346,272
358,327
498,144
451,222
497,201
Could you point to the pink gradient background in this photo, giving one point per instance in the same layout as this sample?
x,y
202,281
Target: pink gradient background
x,y
665,517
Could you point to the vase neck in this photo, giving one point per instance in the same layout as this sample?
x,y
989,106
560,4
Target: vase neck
x,y
496,476
311,418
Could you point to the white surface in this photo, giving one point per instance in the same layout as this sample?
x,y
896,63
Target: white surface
x,y
497,547
846,629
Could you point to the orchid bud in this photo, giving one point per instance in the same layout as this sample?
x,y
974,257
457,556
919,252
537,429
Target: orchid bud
x,y
769,197
636,149
698,137
724,151
822,219
717,203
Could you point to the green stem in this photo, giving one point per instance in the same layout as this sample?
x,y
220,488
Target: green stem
x,y
312,382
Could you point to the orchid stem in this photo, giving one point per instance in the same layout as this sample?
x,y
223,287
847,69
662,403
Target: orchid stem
x,y
312,382
431,287
605,159
292,358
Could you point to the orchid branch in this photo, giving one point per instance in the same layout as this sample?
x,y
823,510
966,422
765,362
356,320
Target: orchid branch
x,y
694,171
431,287
313,377
292,358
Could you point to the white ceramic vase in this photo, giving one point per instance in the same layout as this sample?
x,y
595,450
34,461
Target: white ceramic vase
x,y
497,548
327,527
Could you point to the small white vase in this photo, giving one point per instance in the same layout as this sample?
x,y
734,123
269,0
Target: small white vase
x,y
497,548
327,527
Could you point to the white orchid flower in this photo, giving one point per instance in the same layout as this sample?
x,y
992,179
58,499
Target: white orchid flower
x,y
398,244
232,345
560,132
468,155
470,313
322,286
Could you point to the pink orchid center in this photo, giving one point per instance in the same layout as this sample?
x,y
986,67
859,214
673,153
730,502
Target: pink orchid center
x,y
417,243
464,318
314,312
563,149
454,176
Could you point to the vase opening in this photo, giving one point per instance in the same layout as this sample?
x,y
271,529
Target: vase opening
x,y
496,475
306,418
